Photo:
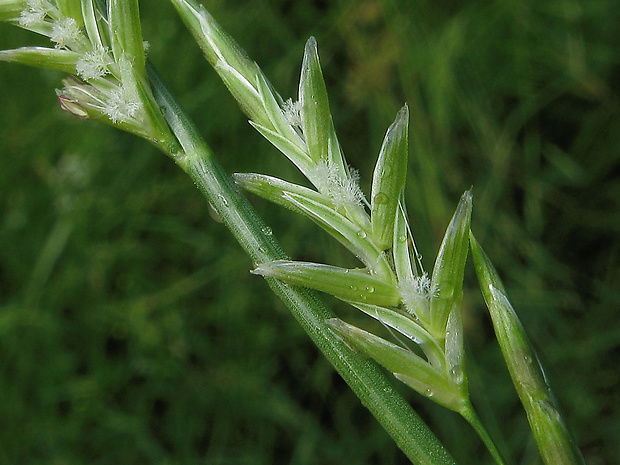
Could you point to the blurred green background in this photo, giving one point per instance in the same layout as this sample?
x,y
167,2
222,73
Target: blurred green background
x,y
130,329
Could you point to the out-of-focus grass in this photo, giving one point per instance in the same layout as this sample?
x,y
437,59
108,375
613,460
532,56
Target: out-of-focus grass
x,y
130,329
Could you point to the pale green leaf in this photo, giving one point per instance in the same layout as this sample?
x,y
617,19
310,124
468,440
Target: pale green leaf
x,y
346,284
91,18
126,33
244,92
296,155
401,250
406,325
272,107
554,441
448,273
315,114
72,9
215,43
10,10
42,57
389,179
351,235
406,366
278,191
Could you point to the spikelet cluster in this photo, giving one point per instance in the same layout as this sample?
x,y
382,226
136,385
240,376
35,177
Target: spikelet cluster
x,y
104,54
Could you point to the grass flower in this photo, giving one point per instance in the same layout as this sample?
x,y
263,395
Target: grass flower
x,y
34,13
94,64
66,34
105,49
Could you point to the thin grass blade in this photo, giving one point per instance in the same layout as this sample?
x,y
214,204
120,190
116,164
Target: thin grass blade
x,y
406,365
10,10
297,156
43,57
91,23
351,235
315,114
279,192
350,285
271,103
554,441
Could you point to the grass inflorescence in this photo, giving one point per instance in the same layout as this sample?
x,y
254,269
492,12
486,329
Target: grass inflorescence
x,y
531,127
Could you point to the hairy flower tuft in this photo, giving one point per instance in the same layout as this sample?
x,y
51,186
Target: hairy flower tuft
x,y
292,112
122,105
343,191
417,293
94,64
34,13
65,32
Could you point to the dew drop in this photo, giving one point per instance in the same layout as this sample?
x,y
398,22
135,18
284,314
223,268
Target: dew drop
x,y
267,231
370,289
402,238
214,214
361,234
429,392
381,198
457,374
222,200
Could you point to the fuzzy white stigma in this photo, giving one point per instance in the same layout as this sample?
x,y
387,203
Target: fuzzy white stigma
x,y
343,191
122,105
292,113
34,13
65,32
417,293
94,64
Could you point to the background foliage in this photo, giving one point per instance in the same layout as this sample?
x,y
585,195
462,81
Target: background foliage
x,y
130,328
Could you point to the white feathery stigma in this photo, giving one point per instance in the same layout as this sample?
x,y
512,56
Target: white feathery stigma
x,y
65,32
94,64
343,191
34,13
292,112
124,103
416,292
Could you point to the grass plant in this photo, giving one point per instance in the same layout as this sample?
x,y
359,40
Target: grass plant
x,y
422,334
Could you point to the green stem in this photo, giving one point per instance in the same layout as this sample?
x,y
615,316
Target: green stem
x,y
368,382
472,417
